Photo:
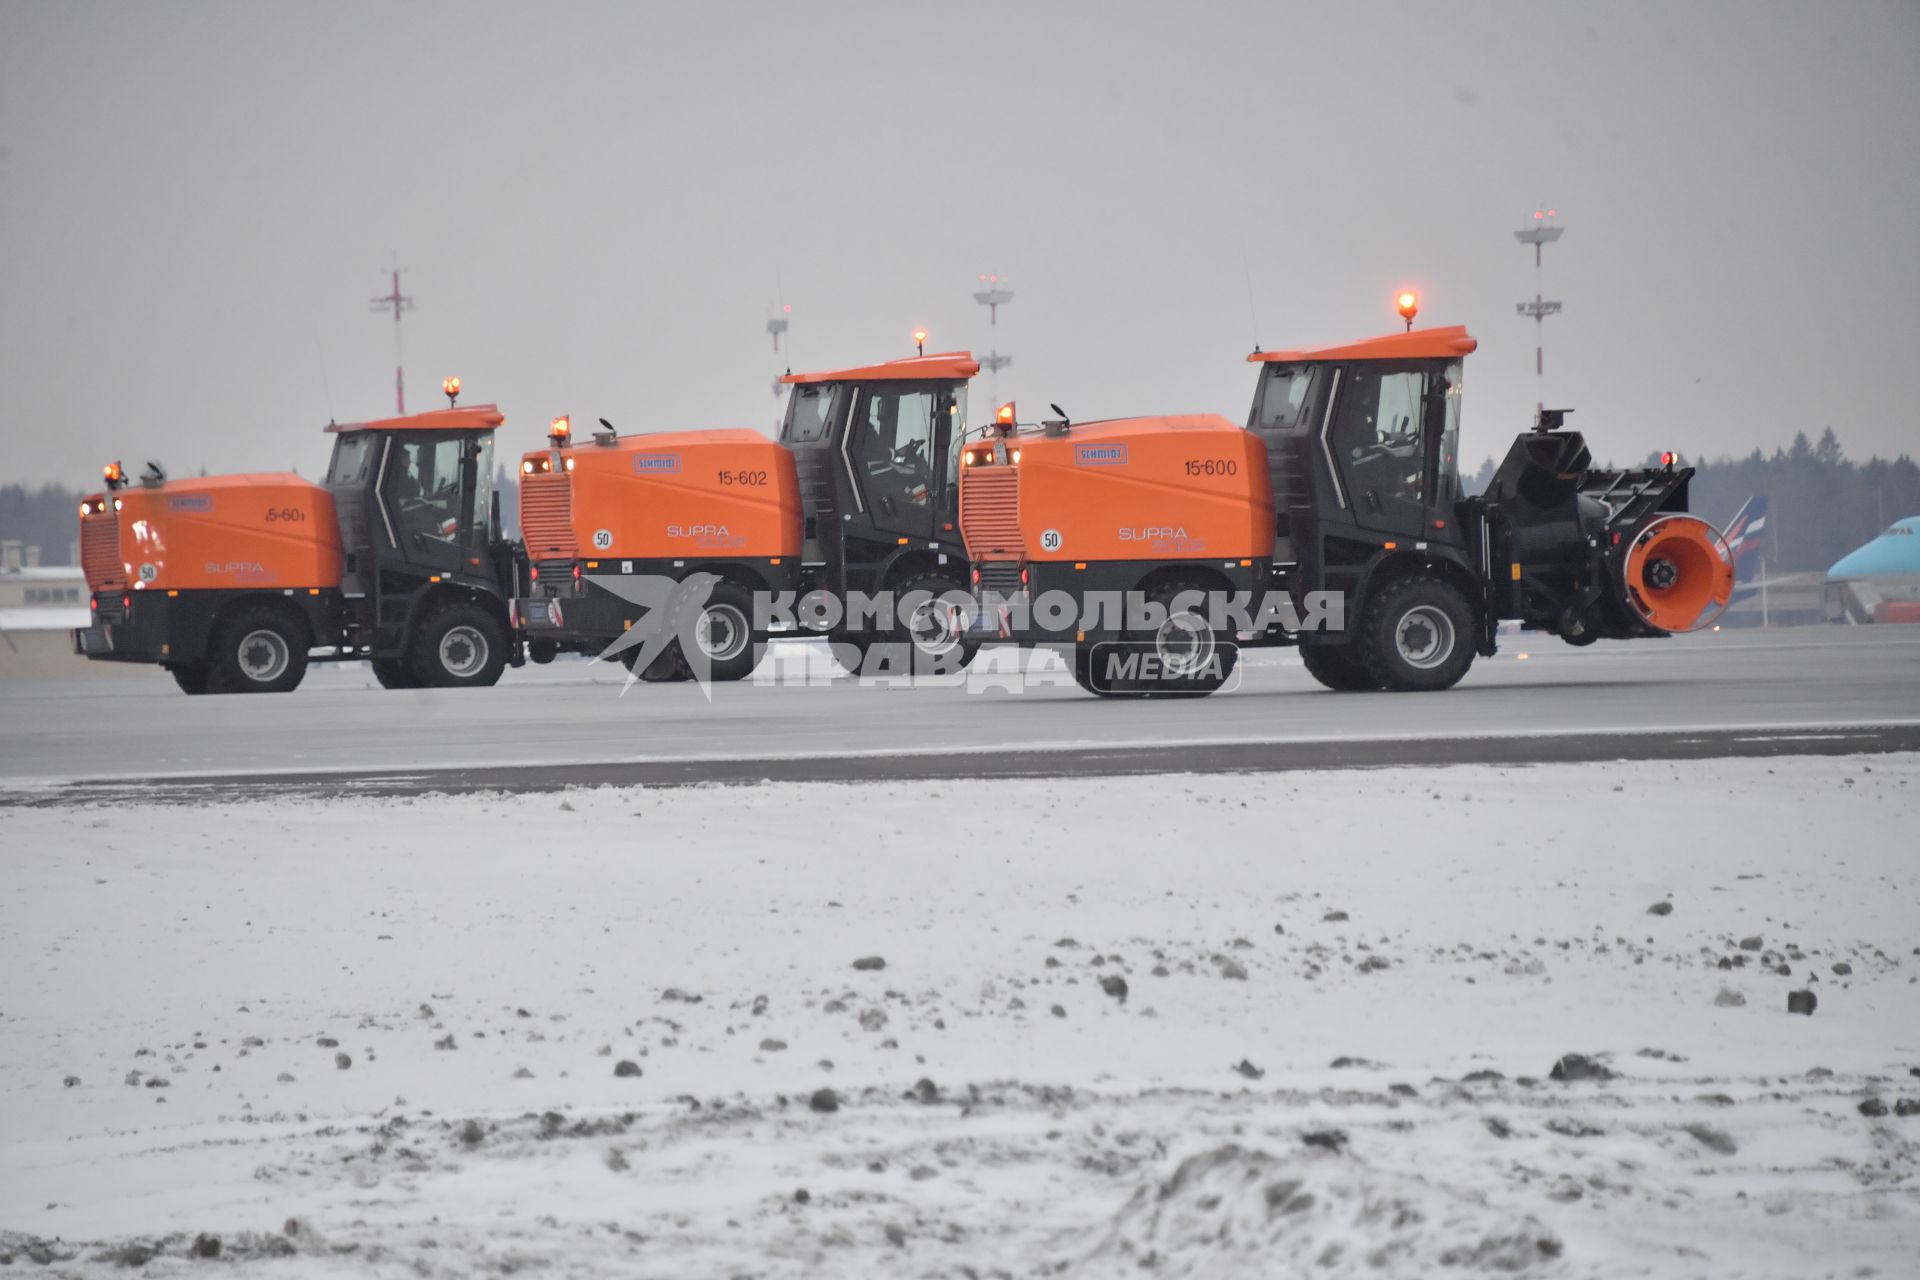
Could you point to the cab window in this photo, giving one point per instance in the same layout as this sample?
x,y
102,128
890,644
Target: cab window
x,y
421,488
1376,432
351,450
809,413
894,434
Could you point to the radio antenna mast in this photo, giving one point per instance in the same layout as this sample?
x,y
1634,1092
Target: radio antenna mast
x,y
398,302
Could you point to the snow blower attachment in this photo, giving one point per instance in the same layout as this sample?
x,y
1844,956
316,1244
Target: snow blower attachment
x,y
1592,554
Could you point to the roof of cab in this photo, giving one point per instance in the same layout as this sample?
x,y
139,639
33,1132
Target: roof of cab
x,y
945,364
465,418
1416,344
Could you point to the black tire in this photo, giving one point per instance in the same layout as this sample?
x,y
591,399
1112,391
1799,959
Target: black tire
x,y
1183,640
666,667
541,652
1338,667
257,649
723,632
458,645
393,673
937,647
1419,635
192,677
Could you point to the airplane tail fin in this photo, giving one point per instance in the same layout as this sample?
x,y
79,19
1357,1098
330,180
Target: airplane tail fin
x,y
1746,535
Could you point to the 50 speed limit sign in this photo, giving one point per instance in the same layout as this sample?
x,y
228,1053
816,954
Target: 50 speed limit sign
x,y
1050,540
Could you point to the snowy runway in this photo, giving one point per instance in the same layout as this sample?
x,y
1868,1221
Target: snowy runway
x,y
1226,1023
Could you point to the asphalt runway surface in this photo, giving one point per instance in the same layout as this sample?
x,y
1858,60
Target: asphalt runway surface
x,y
1810,690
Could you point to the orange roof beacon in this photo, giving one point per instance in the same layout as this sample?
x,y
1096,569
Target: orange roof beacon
x,y
235,583
1341,512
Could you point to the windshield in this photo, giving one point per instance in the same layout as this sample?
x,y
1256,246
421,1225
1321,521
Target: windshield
x,y
1281,403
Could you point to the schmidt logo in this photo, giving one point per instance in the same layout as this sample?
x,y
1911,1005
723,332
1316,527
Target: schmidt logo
x,y
1100,455
656,464
190,502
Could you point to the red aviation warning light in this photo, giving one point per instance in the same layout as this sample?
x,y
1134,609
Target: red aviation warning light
x,y
1668,458
452,388
1409,304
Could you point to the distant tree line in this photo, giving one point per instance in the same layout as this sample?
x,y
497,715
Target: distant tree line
x,y
1822,505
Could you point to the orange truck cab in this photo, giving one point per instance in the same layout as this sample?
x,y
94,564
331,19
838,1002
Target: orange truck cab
x,y
601,520
1068,526
236,583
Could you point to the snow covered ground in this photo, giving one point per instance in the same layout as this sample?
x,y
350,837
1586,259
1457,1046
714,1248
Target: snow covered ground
x,y
1186,1026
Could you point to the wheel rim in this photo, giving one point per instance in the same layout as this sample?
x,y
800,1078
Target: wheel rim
x,y
721,632
463,651
1425,637
931,629
264,655
1184,644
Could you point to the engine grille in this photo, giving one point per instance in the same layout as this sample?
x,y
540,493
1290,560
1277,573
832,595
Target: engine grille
x,y
100,552
546,517
990,512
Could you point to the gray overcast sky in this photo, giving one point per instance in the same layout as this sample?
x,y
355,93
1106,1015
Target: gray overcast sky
x,y
598,204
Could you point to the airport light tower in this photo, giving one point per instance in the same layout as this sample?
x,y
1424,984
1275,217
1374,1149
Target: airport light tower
x,y
1541,234
777,325
993,362
993,297
399,302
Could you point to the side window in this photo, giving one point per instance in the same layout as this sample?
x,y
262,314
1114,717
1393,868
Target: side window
x,y
1283,395
350,452
1376,433
894,440
809,412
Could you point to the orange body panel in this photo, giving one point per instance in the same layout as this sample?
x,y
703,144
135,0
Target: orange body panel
x,y
945,364
1190,487
679,495
1444,343
229,532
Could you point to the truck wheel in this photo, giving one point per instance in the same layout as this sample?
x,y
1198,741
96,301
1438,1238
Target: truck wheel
x,y
192,677
724,636
931,627
1184,646
542,651
1337,667
1188,645
459,645
392,673
1418,635
260,649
